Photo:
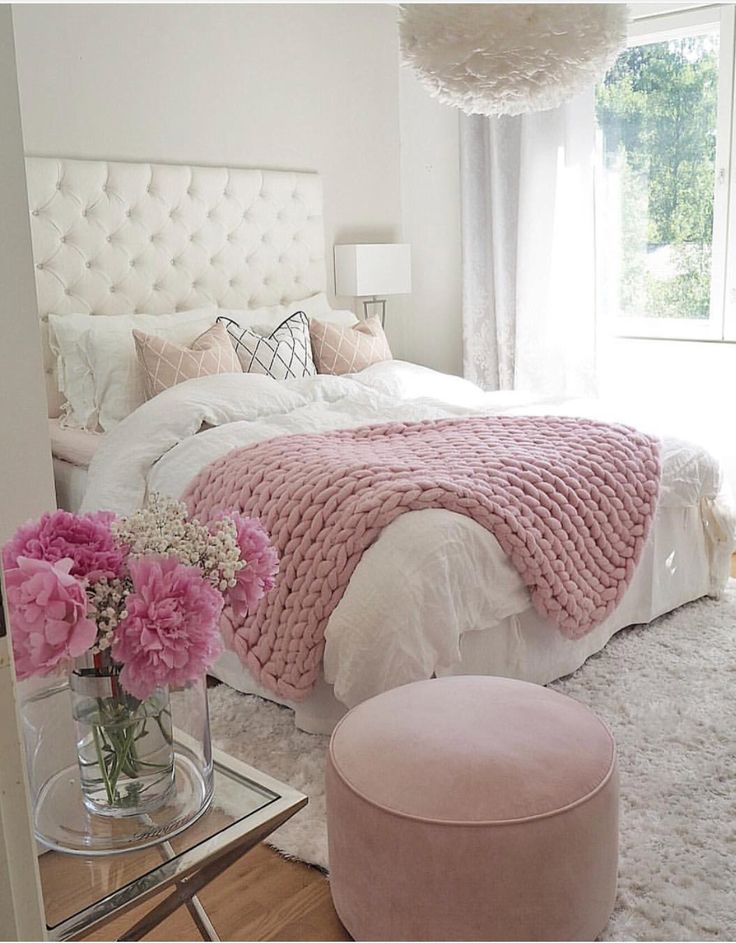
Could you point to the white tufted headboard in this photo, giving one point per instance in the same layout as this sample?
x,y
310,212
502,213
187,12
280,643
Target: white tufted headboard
x,y
123,238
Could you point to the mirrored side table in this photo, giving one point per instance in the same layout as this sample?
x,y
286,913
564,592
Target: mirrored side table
x,y
82,893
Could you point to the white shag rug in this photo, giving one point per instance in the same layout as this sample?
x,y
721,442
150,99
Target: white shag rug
x,y
668,691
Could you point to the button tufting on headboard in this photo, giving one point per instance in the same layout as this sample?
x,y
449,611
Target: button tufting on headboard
x,y
166,237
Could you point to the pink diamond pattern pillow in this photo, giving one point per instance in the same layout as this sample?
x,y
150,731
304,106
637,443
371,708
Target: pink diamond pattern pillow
x,y
165,363
348,349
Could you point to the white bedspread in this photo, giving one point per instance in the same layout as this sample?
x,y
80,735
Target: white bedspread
x,y
433,575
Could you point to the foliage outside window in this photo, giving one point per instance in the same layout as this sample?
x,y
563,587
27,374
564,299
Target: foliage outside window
x,y
658,115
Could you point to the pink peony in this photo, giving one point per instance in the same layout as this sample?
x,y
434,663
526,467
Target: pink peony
x,y
170,635
85,539
48,615
258,576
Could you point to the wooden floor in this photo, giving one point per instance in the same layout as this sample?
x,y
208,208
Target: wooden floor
x,y
262,897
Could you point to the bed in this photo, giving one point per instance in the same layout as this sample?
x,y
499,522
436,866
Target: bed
x,y
72,451
435,594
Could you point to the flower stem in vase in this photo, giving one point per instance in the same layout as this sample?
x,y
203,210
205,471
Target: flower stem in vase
x,y
126,762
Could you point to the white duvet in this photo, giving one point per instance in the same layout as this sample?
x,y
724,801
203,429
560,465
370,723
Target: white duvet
x,y
433,575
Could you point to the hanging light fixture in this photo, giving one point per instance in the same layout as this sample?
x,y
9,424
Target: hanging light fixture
x,y
510,58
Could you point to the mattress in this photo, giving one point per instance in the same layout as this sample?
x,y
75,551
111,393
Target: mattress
x,y
72,451
70,482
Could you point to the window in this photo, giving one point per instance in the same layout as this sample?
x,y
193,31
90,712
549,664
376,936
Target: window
x,y
664,115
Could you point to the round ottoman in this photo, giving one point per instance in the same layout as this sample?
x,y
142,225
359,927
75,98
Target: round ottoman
x,y
472,808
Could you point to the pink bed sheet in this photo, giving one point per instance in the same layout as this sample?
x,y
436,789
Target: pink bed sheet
x,y
73,445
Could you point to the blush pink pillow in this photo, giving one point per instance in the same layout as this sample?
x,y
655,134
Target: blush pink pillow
x,y
165,363
348,349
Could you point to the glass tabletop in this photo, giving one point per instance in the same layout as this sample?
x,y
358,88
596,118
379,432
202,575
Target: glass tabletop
x,y
79,890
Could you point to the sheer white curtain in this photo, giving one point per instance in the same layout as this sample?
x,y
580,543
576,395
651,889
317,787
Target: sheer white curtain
x,y
528,250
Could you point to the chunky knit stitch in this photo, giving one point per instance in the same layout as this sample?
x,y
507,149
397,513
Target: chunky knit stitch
x,y
570,501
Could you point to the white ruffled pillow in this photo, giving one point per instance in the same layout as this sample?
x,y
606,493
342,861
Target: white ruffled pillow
x,y
97,366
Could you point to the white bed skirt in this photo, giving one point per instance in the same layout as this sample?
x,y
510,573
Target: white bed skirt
x,y
686,557
71,483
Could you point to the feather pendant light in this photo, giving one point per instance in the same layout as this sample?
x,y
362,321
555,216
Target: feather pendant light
x,y
510,58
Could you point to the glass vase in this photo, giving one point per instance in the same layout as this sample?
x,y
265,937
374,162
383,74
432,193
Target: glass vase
x,y
125,746
63,821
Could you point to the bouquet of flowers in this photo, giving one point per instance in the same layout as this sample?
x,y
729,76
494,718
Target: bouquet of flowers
x,y
131,608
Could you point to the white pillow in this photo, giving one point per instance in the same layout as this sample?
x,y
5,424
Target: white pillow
x,y
265,320
76,383
98,369
317,306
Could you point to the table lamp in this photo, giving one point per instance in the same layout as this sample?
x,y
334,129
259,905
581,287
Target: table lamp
x,y
371,270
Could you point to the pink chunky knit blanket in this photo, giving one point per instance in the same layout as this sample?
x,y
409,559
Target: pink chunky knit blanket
x,y
570,501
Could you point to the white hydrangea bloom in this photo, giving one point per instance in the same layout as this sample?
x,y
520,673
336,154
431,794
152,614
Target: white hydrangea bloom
x,y
163,528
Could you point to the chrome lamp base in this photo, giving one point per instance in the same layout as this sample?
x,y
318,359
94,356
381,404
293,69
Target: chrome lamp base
x,y
375,301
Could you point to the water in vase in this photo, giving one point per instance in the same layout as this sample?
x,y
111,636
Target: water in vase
x,y
124,747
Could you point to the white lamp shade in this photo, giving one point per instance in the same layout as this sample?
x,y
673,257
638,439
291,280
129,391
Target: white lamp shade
x,y
378,269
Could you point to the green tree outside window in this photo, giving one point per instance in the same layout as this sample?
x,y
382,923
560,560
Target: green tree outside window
x,y
657,108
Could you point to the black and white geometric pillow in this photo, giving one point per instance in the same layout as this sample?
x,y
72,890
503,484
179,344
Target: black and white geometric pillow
x,y
286,354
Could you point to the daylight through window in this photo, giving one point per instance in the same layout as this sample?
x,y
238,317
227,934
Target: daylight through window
x,y
662,191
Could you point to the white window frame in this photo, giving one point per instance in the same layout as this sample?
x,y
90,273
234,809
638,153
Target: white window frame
x,y
721,325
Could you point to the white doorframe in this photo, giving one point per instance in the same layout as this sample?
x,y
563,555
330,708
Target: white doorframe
x,y
20,895
26,486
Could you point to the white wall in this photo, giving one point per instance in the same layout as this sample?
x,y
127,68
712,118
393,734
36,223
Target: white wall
x,y
26,487
430,197
26,477
303,87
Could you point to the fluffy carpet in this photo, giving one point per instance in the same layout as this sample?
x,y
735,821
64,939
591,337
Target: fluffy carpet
x,y
668,691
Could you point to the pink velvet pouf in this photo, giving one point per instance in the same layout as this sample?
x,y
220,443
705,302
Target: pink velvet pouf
x,y
472,808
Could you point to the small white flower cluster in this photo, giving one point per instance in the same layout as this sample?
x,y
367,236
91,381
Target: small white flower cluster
x,y
163,527
107,609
